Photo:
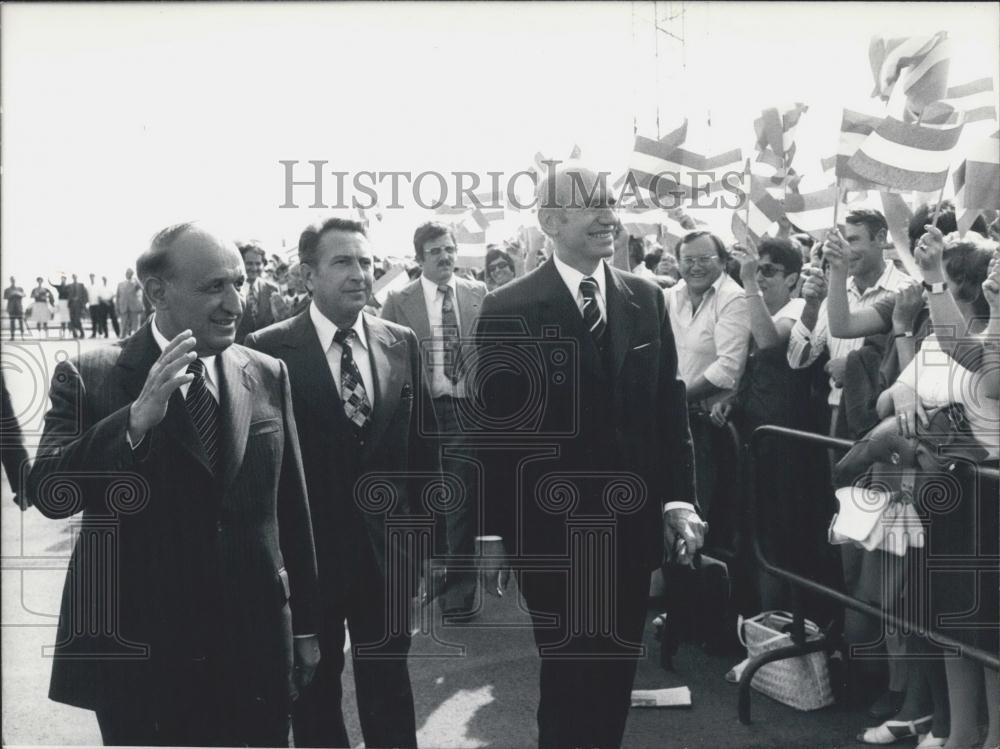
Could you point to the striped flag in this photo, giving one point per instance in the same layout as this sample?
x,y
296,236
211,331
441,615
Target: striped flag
x,y
855,127
652,221
812,211
909,156
665,168
392,280
975,98
776,133
977,179
763,211
918,64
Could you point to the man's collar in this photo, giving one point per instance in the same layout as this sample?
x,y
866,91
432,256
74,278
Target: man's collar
x,y
326,329
572,277
431,288
881,283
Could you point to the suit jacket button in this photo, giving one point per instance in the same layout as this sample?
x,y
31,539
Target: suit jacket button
x,y
218,526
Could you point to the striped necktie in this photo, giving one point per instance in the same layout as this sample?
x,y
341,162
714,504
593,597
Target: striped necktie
x,y
357,407
204,412
592,316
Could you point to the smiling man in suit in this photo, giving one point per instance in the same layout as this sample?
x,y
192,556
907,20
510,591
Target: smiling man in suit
x,y
612,479
192,589
354,382
441,309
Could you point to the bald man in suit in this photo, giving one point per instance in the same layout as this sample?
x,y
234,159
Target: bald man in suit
x,y
180,449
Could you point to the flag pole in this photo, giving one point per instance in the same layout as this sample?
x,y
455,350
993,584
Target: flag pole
x,y
746,233
836,205
937,208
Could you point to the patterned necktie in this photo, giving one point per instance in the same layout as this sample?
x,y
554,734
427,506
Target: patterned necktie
x,y
450,334
204,412
357,407
591,311
252,302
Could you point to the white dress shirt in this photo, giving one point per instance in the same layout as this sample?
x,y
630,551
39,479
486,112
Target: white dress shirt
x,y
433,301
714,339
805,346
326,329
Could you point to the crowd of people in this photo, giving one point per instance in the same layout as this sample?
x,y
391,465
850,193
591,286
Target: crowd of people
x,y
674,348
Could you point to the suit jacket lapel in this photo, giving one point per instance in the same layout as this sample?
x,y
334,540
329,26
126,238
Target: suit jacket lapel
x,y
308,367
559,306
621,319
468,308
236,409
388,360
138,356
416,311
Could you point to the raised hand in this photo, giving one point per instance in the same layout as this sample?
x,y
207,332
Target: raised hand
x,y
814,287
166,375
909,301
928,252
835,250
748,266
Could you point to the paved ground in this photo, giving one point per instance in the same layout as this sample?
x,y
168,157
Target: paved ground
x,y
475,685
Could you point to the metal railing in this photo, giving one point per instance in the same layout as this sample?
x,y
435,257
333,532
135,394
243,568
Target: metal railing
x,y
799,644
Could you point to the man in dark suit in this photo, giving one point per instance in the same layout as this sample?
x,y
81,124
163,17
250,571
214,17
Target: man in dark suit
x,y
441,309
257,292
355,380
583,406
192,589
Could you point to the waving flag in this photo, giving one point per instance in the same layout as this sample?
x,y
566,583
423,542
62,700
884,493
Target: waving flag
x,y
751,223
855,128
918,64
909,156
812,211
975,99
977,179
776,134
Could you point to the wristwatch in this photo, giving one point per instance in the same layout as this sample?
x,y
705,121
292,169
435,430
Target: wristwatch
x,y
935,288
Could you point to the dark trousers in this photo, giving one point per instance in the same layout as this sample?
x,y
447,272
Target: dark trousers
x,y
194,716
380,642
98,320
109,311
457,529
587,672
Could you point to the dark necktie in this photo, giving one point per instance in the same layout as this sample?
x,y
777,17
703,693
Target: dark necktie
x,y
252,303
357,407
591,311
450,334
204,412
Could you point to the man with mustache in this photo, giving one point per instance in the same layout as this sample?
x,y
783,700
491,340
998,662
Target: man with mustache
x,y
192,589
441,309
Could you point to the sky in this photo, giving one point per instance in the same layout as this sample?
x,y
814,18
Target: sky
x,y
119,119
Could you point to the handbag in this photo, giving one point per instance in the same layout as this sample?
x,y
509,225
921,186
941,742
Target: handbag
x,y
802,681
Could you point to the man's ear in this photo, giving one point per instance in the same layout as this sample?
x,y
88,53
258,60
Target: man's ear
x,y
306,273
882,238
549,219
791,281
156,289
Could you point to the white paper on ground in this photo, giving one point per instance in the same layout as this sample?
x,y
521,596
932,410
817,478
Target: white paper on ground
x,y
673,697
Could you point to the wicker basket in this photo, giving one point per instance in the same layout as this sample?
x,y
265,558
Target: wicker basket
x,y
802,682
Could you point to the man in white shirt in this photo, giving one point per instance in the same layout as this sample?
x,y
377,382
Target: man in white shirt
x,y
708,313
441,309
871,280
97,324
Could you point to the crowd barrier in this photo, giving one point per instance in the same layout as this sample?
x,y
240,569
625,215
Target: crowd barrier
x,y
800,584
